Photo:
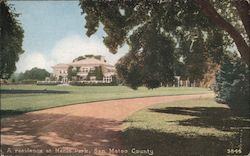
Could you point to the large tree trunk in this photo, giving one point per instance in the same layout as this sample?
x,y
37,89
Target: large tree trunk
x,y
213,15
243,8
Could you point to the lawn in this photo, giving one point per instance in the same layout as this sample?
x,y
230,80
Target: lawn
x,y
191,127
20,103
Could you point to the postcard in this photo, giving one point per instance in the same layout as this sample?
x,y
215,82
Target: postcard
x,y
125,78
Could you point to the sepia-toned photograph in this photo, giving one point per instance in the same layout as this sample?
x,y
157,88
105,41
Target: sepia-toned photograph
x,y
125,77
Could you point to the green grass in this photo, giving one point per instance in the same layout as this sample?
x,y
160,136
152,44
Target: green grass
x,y
191,127
19,103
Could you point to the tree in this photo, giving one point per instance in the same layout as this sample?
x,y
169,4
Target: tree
x,y
201,57
196,61
35,74
122,18
232,84
71,73
129,70
11,34
243,8
97,73
183,22
151,57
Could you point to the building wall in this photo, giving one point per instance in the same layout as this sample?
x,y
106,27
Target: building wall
x,y
62,72
57,72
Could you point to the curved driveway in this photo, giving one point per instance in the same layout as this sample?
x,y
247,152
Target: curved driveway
x,y
84,129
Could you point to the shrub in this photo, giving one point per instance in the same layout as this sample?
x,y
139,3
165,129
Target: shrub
x,y
76,83
81,83
52,83
232,85
28,81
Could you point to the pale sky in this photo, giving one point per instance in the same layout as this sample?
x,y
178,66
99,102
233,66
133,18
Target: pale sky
x,y
54,33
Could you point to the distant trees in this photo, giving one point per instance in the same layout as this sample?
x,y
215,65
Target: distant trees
x,y
35,74
196,60
11,39
201,56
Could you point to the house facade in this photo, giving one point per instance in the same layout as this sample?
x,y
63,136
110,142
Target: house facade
x,y
87,68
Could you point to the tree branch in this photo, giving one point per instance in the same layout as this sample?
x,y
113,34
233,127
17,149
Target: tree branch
x,y
213,15
243,8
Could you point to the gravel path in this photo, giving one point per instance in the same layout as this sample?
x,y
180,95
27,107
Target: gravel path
x,y
84,129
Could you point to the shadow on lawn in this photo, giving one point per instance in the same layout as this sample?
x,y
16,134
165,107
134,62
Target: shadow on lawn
x,y
10,113
171,144
212,117
165,144
54,131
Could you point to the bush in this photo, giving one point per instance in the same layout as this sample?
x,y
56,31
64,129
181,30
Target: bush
x,y
232,85
76,83
81,83
28,81
52,83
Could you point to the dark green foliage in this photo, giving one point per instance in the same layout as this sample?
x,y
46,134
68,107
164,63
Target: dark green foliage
x,y
232,84
11,39
98,57
77,69
196,60
166,38
79,58
35,74
60,78
156,52
97,73
215,45
129,70
28,81
115,81
168,16
79,83
49,83
71,73
150,60
90,55
199,53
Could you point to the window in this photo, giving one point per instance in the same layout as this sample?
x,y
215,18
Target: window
x,y
85,70
107,79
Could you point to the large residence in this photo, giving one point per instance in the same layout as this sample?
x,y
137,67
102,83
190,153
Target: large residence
x,y
88,68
